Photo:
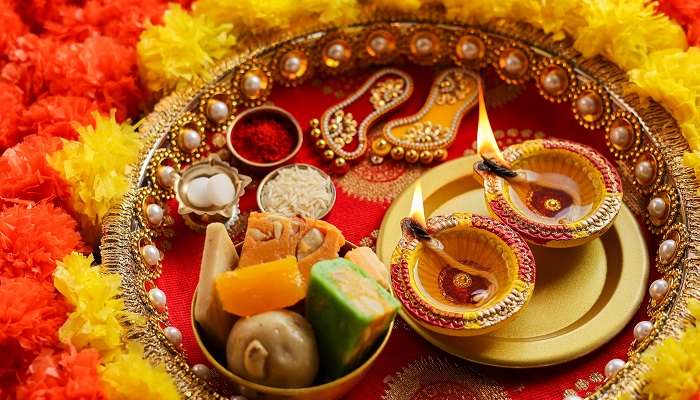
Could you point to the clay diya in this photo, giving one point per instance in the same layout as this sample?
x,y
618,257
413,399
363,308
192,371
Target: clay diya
x,y
555,193
461,274
208,191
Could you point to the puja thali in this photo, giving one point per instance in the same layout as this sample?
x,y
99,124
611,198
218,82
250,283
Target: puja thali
x,y
584,296
588,293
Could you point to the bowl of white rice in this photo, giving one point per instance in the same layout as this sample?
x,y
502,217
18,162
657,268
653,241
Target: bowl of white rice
x,y
297,189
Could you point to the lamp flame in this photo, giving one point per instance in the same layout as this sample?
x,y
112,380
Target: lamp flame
x,y
485,140
417,213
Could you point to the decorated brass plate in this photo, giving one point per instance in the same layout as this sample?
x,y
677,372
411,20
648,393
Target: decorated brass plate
x,y
577,306
645,141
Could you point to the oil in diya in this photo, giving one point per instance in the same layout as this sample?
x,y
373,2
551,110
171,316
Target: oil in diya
x,y
556,193
461,274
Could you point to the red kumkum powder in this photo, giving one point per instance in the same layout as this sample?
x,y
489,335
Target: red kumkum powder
x,y
262,140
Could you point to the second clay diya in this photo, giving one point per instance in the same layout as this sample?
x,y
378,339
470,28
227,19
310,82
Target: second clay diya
x,y
463,274
555,193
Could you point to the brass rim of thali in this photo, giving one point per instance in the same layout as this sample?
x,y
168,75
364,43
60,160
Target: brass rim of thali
x,y
597,80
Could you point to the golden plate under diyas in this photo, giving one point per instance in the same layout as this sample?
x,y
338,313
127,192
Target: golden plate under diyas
x,y
565,194
326,391
573,310
459,302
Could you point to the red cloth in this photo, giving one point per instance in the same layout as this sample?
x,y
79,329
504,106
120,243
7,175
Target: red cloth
x,y
407,354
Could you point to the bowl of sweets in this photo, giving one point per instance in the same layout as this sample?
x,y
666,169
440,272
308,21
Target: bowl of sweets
x,y
294,311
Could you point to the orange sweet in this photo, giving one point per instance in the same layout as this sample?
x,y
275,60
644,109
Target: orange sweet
x,y
263,287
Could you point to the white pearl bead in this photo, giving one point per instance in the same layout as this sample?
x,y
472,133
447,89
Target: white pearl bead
x,y
667,249
657,207
424,45
379,44
217,110
644,171
191,139
201,371
154,213
198,193
552,82
220,190
514,65
292,64
642,329
613,366
620,136
173,335
151,254
336,51
252,83
658,289
586,105
157,297
470,50
166,176
572,397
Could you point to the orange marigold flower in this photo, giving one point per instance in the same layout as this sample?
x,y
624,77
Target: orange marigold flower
x,y
33,237
101,69
30,314
11,99
29,57
25,173
122,20
54,116
12,26
66,374
687,13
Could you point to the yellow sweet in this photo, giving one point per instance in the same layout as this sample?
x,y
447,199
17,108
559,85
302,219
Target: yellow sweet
x,y
263,287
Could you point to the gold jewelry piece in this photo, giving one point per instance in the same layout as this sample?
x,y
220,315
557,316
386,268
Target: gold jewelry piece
x,y
337,128
425,136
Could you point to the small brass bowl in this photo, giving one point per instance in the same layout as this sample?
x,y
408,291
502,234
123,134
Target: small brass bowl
x,y
551,217
433,293
197,217
276,113
335,389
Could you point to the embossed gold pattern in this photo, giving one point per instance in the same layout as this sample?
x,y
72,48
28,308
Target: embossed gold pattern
x,y
430,377
452,95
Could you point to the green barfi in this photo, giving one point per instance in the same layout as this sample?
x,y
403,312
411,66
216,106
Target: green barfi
x,y
348,311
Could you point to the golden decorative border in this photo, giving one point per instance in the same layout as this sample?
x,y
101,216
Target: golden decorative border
x,y
660,130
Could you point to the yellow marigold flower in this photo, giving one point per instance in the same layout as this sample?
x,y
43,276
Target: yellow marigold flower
x,y
95,320
675,364
476,11
560,17
97,166
669,77
249,17
182,49
129,376
626,31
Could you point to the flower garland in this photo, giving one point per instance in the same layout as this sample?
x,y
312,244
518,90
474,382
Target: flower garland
x,y
68,80
72,73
